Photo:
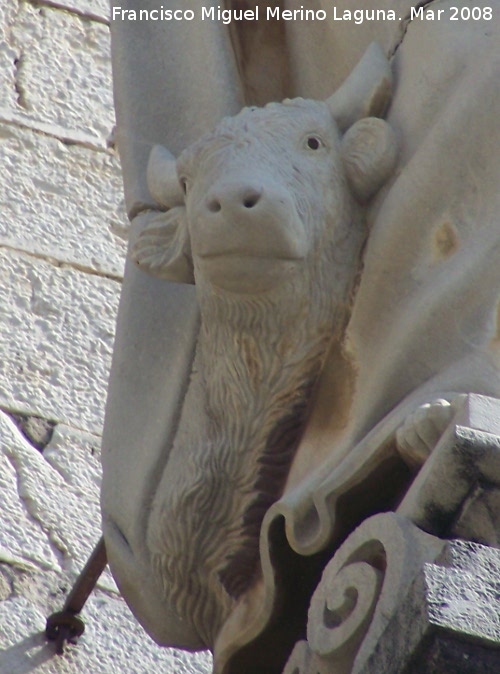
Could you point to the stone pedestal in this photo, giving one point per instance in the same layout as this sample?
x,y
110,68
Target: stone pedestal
x,y
449,621
403,595
445,620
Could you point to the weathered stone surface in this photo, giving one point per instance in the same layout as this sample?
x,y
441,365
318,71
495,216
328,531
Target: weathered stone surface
x,y
61,201
424,319
457,490
8,53
36,430
113,642
56,330
463,591
362,587
435,608
61,505
76,456
50,522
448,621
5,585
63,72
62,233
443,654
23,540
303,661
97,9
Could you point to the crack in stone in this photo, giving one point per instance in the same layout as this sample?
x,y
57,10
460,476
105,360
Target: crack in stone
x,y
60,554
37,430
6,585
406,24
84,14
65,136
62,264
20,92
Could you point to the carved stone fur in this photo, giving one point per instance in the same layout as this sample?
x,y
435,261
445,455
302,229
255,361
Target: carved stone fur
x,y
258,358
269,229
254,406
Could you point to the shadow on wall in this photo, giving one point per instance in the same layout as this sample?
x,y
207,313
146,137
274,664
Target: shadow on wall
x,y
26,656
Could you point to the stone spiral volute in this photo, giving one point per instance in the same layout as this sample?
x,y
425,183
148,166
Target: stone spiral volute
x,y
359,591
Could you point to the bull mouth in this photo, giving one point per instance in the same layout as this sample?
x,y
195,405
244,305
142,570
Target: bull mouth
x,y
247,272
252,255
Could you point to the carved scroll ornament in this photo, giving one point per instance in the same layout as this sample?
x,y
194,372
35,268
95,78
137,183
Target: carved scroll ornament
x,y
394,591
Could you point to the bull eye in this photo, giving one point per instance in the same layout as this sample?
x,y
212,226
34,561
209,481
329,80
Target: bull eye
x,y
314,143
183,183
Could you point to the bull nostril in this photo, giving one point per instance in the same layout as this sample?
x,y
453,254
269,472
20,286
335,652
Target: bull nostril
x,y
214,206
251,200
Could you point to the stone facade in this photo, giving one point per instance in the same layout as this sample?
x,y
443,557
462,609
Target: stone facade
x,y
63,238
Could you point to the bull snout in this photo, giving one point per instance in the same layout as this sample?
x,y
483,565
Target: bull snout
x,y
249,217
233,199
247,208
246,235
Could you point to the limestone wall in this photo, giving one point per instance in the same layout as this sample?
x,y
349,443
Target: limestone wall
x,y
62,246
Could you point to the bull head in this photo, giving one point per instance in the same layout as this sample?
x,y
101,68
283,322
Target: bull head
x,y
367,152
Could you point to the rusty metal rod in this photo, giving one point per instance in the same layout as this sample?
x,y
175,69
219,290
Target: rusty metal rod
x,y
65,625
87,579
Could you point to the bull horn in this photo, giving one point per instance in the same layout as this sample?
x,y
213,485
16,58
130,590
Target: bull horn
x,y
366,92
162,178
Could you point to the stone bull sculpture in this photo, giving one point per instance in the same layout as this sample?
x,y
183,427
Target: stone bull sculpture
x,y
423,328
264,216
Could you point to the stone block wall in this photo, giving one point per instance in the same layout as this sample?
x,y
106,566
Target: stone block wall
x,y
63,237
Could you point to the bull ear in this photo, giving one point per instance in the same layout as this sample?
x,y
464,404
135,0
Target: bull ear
x,y
369,152
163,248
162,178
366,92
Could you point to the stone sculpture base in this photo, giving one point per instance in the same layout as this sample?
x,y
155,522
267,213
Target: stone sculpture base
x,y
445,654
450,621
447,623
403,595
